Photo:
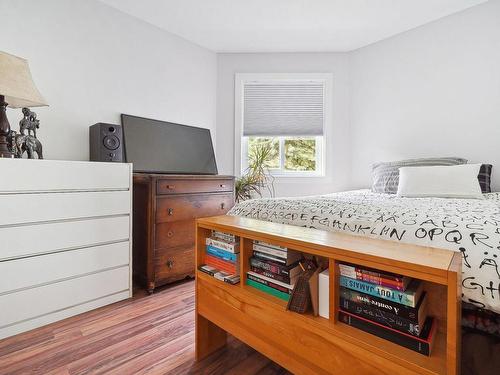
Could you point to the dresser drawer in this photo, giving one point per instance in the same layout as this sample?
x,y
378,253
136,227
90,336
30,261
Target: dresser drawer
x,y
26,240
185,207
174,264
50,268
46,299
31,208
185,186
174,234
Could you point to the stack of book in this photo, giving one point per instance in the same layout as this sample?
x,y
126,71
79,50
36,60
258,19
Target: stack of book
x,y
222,257
273,269
387,305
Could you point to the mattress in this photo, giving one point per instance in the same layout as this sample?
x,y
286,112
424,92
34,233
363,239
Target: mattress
x,y
468,226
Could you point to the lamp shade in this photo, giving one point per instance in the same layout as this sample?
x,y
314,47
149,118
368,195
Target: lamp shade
x,y
16,83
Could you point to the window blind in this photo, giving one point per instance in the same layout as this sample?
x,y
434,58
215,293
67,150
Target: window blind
x,y
283,108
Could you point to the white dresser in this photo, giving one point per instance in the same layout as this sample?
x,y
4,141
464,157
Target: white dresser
x,y
65,239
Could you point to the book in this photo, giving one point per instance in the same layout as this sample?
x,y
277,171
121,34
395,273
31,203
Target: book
x,y
232,279
208,269
408,298
221,275
271,284
275,267
232,247
271,251
380,316
285,285
221,265
422,344
277,247
275,276
268,290
289,260
369,275
415,314
223,254
224,236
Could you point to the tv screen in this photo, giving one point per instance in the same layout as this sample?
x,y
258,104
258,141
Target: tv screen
x,y
164,147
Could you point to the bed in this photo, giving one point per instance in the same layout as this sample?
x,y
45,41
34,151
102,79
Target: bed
x,y
468,226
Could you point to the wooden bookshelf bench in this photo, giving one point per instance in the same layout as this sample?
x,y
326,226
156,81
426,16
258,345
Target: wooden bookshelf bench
x,y
305,344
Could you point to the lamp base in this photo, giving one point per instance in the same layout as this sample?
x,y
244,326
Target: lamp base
x,y
4,130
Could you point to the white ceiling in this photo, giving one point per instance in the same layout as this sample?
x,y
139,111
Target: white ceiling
x,y
288,25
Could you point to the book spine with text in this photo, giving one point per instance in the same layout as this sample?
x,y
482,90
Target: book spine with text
x,y
421,344
271,266
387,280
272,275
221,264
406,298
266,256
413,314
224,236
224,255
270,251
233,247
277,247
268,290
269,283
380,316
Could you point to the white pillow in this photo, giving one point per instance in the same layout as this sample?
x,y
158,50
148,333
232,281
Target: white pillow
x,y
457,181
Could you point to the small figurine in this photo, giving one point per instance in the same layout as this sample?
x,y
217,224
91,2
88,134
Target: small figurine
x,y
21,143
29,122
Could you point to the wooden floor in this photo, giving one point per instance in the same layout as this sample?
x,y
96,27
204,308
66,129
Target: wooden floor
x,y
145,335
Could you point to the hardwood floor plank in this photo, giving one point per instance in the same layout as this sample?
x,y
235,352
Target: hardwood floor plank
x,y
151,335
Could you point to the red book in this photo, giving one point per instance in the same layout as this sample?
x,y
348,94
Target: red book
x,y
221,265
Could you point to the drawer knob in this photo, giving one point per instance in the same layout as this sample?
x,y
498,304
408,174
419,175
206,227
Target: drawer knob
x,y
222,205
170,263
222,185
170,211
171,187
169,234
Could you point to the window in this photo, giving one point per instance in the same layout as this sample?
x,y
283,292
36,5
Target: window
x,y
285,113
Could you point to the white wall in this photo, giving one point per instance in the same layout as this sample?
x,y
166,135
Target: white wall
x,y
432,91
338,155
92,62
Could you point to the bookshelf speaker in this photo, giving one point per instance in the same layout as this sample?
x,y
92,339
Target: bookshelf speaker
x,y
106,143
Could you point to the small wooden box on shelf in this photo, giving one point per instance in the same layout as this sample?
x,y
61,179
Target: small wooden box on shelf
x,y
306,344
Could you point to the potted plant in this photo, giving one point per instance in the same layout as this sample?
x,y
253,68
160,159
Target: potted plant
x,y
256,179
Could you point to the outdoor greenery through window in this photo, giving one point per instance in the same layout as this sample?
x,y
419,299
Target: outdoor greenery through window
x,y
289,154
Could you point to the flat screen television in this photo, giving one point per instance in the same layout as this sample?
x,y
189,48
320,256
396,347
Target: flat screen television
x,y
155,146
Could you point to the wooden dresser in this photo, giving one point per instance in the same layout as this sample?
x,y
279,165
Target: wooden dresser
x,y
165,208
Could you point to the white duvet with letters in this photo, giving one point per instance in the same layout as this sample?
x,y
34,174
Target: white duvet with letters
x,y
470,226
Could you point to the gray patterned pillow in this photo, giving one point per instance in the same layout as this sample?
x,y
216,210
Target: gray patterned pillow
x,y
386,174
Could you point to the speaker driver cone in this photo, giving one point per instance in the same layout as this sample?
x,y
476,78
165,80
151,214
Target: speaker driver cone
x,y
111,142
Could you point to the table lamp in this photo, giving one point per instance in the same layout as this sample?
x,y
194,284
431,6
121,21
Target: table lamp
x,y
17,90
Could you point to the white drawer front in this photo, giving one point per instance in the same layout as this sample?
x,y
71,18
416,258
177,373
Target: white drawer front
x,y
35,302
30,208
33,271
62,314
25,240
57,175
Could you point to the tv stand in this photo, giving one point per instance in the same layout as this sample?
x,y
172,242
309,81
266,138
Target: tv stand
x,y
164,212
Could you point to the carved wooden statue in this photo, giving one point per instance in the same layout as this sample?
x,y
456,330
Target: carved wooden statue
x,y
21,143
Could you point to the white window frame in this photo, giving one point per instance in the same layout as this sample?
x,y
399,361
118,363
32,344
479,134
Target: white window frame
x,y
241,143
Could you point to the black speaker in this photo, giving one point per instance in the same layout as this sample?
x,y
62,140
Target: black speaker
x,y
106,143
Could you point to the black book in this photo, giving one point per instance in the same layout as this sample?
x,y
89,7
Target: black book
x,y
422,344
380,316
272,275
415,314
291,270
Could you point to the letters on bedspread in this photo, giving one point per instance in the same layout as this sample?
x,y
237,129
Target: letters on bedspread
x,y
470,226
